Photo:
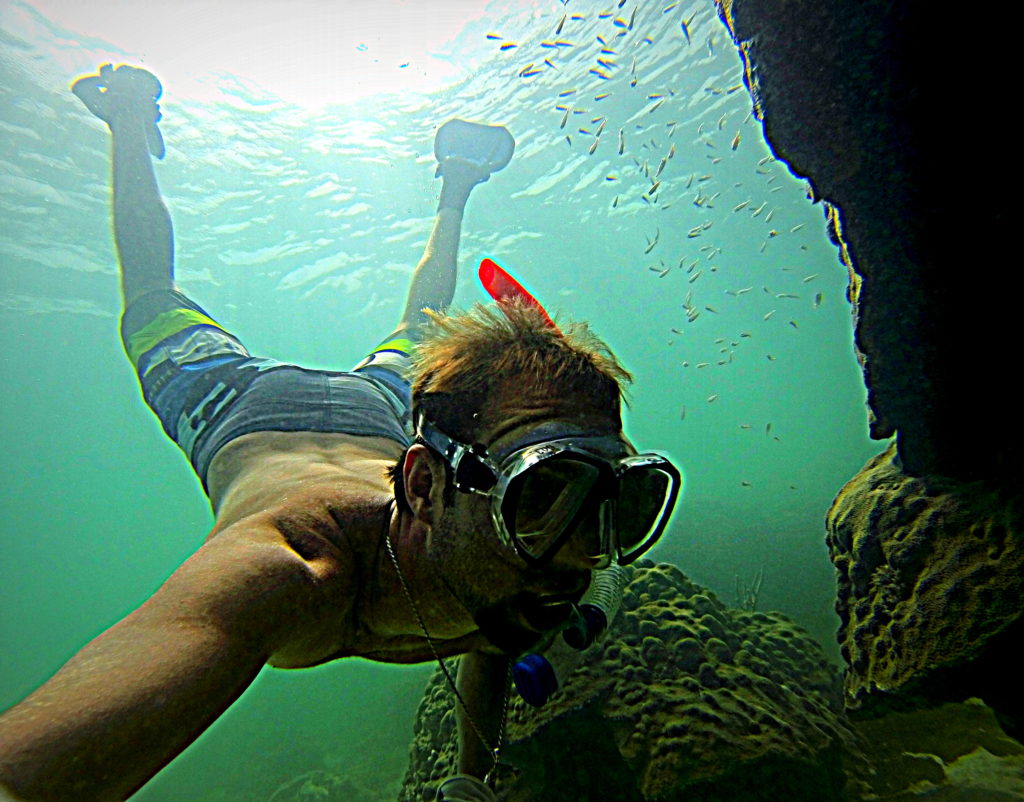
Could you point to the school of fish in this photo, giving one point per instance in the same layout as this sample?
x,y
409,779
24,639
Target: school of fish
x,y
647,146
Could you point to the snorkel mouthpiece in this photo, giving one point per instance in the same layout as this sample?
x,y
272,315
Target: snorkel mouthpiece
x,y
503,288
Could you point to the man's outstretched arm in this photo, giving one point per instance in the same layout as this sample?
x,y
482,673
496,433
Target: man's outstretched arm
x,y
137,695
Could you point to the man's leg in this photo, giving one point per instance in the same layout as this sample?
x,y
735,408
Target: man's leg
x,y
486,150
433,282
125,99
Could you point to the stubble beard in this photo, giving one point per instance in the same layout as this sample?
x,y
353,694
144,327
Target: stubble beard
x,y
465,558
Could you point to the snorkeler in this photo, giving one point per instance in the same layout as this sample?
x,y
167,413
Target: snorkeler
x,y
451,501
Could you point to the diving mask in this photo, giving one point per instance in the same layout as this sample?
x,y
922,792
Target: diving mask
x,y
548,490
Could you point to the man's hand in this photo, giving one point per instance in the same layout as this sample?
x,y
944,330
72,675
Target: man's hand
x,y
464,788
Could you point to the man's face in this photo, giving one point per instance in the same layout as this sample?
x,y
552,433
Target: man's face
x,y
513,604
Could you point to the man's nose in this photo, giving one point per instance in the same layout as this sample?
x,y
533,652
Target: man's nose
x,y
581,553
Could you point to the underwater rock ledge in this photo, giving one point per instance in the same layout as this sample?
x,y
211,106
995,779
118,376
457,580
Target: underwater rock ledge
x,y
878,105
684,699
931,576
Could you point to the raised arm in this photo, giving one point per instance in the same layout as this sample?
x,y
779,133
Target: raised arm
x,y
137,695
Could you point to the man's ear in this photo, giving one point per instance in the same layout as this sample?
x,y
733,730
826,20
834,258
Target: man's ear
x,y
423,479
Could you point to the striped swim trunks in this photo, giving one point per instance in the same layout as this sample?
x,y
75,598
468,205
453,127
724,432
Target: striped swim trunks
x,y
207,389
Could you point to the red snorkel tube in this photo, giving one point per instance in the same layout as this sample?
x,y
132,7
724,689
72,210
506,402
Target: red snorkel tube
x,y
501,287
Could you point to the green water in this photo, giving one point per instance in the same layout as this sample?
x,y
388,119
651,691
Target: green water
x,y
299,229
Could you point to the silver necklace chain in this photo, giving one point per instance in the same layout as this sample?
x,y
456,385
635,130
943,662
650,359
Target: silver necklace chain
x,y
494,750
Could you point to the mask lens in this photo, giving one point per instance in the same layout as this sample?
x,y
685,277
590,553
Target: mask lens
x,y
643,498
546,498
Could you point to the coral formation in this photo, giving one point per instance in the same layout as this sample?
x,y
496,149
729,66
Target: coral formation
x,y
684,699
931,574
952,751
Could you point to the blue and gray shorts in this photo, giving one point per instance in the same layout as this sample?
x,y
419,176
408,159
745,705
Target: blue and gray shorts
x,y
207,389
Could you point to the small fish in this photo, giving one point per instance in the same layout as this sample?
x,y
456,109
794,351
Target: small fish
x,y
711,309
508,46
768,316
765,161
566,93
759,209
745,289
745,426
686,30
632,19
695,276
602,96
565,118
740,206
809,278
603,76
652,243
793,324
796,228
568,140
548,62
769,357
656,106
768,428
669,7
600,128
611,177
786,295
615,202
703,364
494,36
593,147
661,166
654,188
745,483
735,141
818,299
622,142
561,22
672,150
712,398
682,413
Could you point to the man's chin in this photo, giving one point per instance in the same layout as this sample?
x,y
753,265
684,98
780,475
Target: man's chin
x,y
518,628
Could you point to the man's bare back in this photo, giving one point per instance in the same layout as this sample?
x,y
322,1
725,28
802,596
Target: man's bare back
x,y
329,497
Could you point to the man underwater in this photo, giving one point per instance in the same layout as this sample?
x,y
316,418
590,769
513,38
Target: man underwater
x,y
451,498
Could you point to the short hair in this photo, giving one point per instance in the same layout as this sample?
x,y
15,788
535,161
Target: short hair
x,y
467,360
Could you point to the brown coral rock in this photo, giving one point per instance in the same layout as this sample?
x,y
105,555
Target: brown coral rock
x,y
931,576
684,699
